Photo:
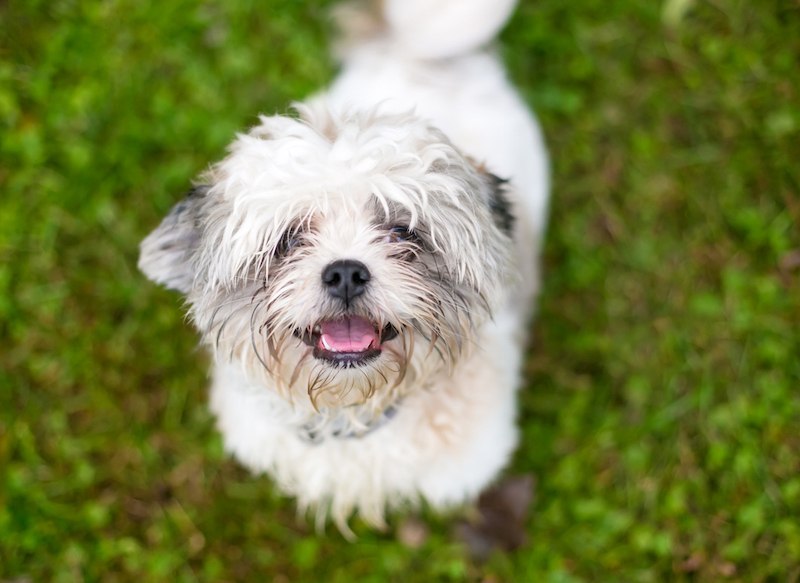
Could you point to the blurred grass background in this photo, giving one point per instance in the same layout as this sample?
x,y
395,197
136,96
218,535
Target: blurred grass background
x,y
661,416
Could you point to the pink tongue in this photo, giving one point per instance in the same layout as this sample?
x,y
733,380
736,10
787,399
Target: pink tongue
x,y
349,335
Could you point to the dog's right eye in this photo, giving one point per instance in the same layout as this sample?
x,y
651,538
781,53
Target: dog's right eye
x,y
399,233
291,240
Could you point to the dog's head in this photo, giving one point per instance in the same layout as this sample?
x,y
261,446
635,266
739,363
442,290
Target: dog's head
x,y
337,254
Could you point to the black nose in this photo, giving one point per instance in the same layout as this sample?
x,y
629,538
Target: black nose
x,y
346,279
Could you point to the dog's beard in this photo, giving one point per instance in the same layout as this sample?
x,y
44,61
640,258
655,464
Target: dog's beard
x,y
294,337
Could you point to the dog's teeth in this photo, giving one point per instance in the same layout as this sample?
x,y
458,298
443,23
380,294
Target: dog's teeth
x,y
317,329
325,343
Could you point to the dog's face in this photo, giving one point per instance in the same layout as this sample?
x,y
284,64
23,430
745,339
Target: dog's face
x,y
338,256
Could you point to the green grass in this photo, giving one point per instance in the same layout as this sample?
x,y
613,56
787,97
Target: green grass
x,y
661,414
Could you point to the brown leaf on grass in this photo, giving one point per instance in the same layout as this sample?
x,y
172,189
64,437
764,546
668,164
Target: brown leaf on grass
x,y
500,521
693,563
412,532
790,261
726,569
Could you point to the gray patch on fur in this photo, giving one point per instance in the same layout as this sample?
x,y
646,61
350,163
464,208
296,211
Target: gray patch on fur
x,y
165,255
500,204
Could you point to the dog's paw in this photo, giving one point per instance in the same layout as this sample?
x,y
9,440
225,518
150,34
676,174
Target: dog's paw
x,y
499,523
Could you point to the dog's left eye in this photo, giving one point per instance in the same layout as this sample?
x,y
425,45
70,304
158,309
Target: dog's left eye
x,y
399,233
289,242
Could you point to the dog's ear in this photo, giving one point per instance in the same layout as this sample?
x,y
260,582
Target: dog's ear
x,y
165,255
499,203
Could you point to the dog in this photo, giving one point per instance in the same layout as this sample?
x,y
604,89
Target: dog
x,y
363,271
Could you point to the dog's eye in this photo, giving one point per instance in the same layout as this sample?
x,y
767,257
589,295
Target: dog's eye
x,y
291,240
399,233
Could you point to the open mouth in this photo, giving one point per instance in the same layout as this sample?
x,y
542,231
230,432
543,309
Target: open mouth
x,y
349,341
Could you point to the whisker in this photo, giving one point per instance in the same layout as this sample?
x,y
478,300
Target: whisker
x,y
298,366
253,335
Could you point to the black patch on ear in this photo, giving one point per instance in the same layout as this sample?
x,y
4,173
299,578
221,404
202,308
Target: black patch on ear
x,y
189,201
166,253
181,223
500,205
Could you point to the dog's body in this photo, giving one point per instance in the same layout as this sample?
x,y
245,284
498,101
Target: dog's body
x,y
365,287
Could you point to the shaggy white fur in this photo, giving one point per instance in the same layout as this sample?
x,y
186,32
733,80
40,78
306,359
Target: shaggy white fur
x,y
399,382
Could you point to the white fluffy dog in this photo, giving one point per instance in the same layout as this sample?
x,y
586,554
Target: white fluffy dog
x,y
363,272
